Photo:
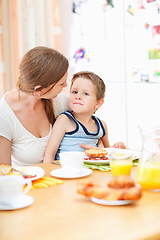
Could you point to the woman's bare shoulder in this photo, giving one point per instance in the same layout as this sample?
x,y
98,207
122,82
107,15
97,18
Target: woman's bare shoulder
x,y
60,103
12,97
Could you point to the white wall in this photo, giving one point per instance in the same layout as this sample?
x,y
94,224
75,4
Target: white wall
x,y
115,41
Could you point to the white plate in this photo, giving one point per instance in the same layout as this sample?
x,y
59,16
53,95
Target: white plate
x,y
22,202
111,203
135,154
38,171
60,173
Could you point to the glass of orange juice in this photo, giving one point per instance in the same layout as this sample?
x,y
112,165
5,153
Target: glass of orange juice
x,y
148,172
120,163
148,175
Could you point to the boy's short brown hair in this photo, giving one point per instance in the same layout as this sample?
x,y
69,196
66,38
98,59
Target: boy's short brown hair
x,y
95,79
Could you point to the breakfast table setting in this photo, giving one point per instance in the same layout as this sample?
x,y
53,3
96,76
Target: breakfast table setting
x,y
60,202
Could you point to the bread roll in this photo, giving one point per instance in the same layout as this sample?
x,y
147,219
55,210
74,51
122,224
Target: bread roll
x,y
5,169
96,152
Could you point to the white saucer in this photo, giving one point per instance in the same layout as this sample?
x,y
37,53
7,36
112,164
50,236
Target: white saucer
x,y
60,173
22,202
111,203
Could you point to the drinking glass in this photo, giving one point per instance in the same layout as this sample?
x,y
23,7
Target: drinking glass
x,y
148,173
120,163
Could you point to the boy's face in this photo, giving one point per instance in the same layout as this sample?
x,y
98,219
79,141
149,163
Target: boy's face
x,y
83,96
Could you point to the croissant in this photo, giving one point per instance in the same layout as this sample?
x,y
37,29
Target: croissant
x,y
118,188
122,181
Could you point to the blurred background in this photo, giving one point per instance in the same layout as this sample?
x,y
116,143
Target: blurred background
x,y
118,40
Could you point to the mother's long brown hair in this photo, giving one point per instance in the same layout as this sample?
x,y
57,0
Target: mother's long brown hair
x,y
42,66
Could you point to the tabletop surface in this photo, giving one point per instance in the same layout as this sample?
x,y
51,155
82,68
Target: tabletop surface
x,y
59,212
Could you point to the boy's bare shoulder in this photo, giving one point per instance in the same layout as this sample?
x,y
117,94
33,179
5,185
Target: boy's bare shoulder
x,y
63,118
104,123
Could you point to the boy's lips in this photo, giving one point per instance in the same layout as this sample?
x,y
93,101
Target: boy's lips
x,y
78,103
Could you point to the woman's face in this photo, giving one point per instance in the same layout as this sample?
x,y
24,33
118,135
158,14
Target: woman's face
x,y
54,89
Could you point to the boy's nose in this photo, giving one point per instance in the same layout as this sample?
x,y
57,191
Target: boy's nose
x,y
78,96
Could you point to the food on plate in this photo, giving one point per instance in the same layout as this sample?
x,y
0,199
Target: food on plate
x,y
44,182
30,176
14,173
25,172
8,170
96,159
90,189
96,152
123,181
110,192
5,169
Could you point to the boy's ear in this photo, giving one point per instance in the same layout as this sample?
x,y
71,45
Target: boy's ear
x,y
99,103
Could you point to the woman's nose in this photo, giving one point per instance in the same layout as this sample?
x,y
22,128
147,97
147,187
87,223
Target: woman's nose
x,y
65,85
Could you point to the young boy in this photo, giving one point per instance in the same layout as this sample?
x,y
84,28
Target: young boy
x,y
79,127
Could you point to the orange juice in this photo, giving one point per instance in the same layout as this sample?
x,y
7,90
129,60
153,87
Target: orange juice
x,y
121,167
148,175
121,162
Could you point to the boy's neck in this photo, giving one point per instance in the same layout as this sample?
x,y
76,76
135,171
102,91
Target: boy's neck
x,y
82,117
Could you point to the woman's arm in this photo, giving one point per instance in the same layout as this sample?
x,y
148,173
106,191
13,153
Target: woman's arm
x,y
57,134
5,151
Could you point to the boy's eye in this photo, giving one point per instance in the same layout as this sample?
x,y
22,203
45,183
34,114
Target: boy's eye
x,y
86,94
75,92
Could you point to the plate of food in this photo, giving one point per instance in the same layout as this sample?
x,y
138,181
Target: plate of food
x,y
121,190
135,153
30,172
101,156
96,156
33,173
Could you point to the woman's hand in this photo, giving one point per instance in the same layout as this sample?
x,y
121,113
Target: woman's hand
x,y
119,145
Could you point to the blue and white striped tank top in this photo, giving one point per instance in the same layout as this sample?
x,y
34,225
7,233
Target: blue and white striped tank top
x,y
71,140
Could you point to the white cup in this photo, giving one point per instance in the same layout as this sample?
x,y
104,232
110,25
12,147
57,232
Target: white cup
x,y
72,161
12,188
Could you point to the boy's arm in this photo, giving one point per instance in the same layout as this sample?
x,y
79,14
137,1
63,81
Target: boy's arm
x,y
104,140
57,134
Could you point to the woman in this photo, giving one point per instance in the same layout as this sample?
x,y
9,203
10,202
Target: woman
x,y
26,112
